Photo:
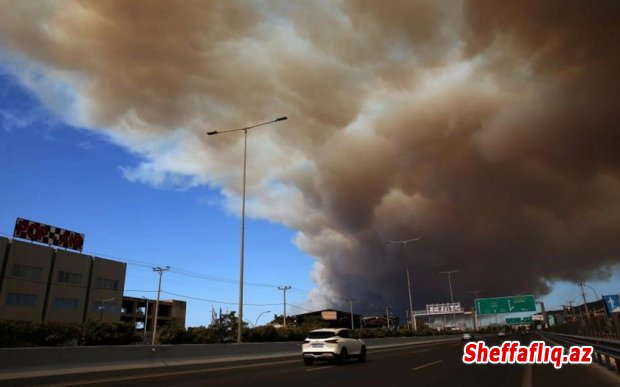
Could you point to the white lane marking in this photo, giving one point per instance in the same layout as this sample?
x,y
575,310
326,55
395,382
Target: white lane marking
x,y
527,376
168,374
404,347
424,350
319,368
427,365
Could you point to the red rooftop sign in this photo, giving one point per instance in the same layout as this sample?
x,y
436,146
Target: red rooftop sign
x,y
50,235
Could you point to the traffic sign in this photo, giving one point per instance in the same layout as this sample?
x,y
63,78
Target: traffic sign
x,y
612,303
513,304
518,320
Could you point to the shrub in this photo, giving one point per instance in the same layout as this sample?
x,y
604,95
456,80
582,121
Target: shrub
x,y
16,334
203,335
108,333
172,333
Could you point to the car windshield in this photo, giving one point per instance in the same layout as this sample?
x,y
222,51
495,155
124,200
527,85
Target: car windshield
x,y
321,335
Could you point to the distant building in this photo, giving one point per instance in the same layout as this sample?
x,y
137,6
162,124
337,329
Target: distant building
x,y
136,310
333,318
40,283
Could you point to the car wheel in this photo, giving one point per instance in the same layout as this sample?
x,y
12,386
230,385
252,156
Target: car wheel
x,y
362,356
308,361
343,355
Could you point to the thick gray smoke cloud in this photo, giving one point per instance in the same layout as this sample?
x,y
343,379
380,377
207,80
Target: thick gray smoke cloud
x,y
489,128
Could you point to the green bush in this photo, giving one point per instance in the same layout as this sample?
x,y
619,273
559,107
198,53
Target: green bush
x,y
108,333
172,333
203,335
54,334
16,334
29,334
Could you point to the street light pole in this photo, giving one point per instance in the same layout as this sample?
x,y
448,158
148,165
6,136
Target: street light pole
x,y
262,313
411,314
102,306
449,273
245,147
351,300
146,316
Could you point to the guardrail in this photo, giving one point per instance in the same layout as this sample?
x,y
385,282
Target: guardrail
x,y
61,360
606,352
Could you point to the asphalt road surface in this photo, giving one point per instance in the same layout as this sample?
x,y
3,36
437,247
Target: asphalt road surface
x,y
417,365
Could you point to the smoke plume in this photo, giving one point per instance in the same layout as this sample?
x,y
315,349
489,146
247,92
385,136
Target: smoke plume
x,y
489,128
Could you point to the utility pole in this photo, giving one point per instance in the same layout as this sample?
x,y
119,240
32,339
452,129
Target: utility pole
x,y
475,293
544,313
161,271
583,294
284,289
572,309
351,300
476,322
387,316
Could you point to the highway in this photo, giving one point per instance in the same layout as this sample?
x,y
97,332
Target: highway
x,y
416,365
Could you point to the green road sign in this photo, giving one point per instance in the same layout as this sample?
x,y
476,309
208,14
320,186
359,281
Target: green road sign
x,y
518,320
514,304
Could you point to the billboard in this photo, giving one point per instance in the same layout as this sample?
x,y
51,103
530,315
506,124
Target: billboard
x,y
612,303
50,235
444,308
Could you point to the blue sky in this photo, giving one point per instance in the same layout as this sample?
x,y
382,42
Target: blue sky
x,y
72,178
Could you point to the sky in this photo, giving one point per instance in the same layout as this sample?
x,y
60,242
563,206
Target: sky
x,y
488,129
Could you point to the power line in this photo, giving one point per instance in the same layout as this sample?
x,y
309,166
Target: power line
x,y
299,307
219,279
212,301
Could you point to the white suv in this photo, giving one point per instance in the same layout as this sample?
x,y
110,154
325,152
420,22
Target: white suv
x,y
336,344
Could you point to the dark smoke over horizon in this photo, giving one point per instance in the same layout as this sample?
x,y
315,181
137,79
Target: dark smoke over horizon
x,y
489,128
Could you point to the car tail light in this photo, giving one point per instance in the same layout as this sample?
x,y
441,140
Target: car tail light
x,y
332,341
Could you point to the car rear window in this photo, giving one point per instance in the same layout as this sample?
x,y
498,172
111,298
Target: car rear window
x,y
320,335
